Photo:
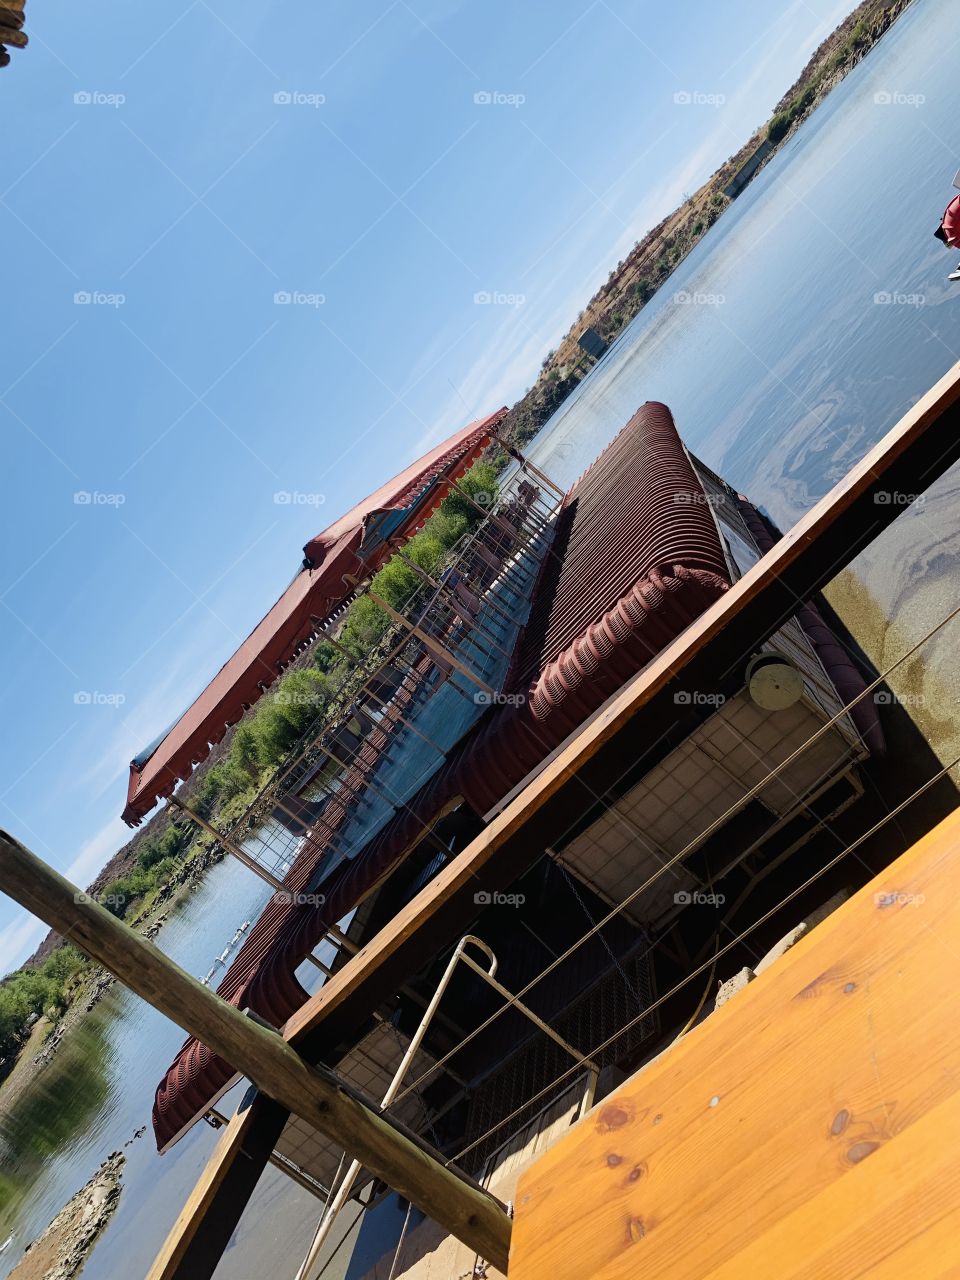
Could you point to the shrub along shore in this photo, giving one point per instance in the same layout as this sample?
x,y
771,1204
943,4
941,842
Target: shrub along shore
x,y
266,735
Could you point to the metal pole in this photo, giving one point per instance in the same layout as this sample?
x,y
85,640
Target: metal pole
x,y
242,856
449,597
524,461
364,688
234,849
349,1178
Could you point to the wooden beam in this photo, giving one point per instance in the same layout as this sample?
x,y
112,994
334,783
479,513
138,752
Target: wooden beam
x,y
809,1127
264,1057
907,460
230,845
203,1229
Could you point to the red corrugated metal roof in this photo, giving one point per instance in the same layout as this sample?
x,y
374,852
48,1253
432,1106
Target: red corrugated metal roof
x,y
282,633
636,559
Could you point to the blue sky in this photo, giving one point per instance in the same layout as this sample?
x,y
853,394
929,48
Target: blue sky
x,y
182,165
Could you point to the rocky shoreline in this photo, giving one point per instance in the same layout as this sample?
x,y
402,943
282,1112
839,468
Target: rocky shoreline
x,y
60,1252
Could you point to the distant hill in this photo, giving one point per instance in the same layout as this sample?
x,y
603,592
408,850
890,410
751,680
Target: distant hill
x,y
654,258
123,861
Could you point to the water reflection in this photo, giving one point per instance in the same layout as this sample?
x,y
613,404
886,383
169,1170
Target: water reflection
x,y
58,1105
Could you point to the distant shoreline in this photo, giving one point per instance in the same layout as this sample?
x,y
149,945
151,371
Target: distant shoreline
x,y
46,1037
651,263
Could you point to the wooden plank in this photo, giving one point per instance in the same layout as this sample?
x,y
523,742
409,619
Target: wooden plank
x,y
808,1128
203,1229
260,1054
909,458
893,1216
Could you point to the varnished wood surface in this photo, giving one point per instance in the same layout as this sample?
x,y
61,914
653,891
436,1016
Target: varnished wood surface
x,y
810,1128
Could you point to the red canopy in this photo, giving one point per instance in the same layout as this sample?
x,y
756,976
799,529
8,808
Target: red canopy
x,y
356,544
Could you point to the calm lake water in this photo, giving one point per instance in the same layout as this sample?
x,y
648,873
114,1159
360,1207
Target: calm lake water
x,y
817,313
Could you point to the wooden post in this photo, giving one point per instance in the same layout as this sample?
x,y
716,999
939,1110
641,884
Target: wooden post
x,y
263,1056
240,854
209,1218
445,590
525,462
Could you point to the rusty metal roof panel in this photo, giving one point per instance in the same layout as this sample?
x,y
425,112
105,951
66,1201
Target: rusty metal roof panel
x,y
636,559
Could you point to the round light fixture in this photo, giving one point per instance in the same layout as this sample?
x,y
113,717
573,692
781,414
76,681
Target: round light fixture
x,y
773,683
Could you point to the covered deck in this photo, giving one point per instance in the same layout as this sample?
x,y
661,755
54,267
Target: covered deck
x,y
408,929
547,811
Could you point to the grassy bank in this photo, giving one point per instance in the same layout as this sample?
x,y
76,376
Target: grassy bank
x,y
168,856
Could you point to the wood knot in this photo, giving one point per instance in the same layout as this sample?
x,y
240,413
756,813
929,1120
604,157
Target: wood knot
x,y
614,1116
613,1160
840,1122
860,1150
635,1230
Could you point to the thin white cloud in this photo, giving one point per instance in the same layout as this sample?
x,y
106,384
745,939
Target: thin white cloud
x,y
571,274
95,852
19,939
